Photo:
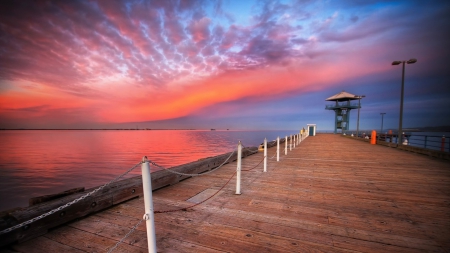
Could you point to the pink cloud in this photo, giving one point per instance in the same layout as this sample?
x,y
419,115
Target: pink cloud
x,y
112,55
199,29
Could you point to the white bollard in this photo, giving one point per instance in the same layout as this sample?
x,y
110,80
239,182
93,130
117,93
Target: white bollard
x,y
285,145
290,143
265,154
278,148
238,169
294,140
148,203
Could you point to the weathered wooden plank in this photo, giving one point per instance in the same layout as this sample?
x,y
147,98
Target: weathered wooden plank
x,y
89,242
316,199
102,228
198,237
246,223
115,193
167,244
369,246
45,198
43,244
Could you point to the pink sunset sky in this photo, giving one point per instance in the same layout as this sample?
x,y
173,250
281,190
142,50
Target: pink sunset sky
x,y
220,64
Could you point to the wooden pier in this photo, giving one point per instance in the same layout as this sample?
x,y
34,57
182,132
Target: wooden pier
x,y
329,194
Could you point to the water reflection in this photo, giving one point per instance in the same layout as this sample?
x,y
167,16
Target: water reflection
x,y
36,163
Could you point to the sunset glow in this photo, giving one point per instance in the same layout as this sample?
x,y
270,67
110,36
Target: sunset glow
x,y
219,64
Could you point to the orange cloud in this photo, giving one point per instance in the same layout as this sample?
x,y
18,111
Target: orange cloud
x,y
268,82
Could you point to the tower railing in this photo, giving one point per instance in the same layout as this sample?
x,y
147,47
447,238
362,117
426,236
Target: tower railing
x,y
341,104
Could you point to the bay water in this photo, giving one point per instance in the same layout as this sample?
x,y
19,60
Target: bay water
x,y
41,162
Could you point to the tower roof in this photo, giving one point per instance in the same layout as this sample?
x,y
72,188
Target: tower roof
x,y
342,96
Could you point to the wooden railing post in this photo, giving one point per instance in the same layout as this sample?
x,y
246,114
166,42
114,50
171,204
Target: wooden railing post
x,y
290,143
278,148
238,169
265,154
285,145
148,203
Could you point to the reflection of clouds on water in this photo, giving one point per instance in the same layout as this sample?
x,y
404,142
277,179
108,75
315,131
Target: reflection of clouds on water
x,y
36,163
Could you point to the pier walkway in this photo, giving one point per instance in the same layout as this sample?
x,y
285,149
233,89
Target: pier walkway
x,y
329,194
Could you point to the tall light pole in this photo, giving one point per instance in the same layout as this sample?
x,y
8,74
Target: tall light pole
x,y
382,115
359,106
400,130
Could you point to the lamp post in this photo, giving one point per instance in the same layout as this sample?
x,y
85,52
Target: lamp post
x,y
400,130
382,115
359,106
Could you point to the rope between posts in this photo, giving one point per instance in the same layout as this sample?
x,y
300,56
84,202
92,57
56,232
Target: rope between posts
x,y
252,152
128,234
273,155
66,205
201,202
193,175
256,164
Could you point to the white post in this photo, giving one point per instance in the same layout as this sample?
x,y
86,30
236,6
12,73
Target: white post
x,y
265,154
290,143
294,140
285,145
278,148
148,203
238,169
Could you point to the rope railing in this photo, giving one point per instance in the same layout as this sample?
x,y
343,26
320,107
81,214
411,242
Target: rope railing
x,y
256,166
125,237
199,174
201,202
195,174
66,205
145,164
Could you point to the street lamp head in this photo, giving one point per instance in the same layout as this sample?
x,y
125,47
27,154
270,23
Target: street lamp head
x,y
396,62
411,61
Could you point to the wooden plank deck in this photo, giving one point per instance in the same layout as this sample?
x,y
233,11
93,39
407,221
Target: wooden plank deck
x,y
329,194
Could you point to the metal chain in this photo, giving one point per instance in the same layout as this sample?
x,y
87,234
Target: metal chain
x,y
193,175
256,165
248,148
273,155
201,202
66,205
128,234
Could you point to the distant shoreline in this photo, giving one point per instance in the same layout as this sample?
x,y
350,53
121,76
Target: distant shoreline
x,y
416,129
97,129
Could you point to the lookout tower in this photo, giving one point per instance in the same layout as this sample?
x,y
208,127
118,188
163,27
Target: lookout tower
x,y
341,107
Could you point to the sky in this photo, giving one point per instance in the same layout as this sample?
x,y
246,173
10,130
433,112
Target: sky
x,y
221,64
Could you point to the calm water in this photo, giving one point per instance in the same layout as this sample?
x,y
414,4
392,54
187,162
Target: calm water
x,y
39,162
